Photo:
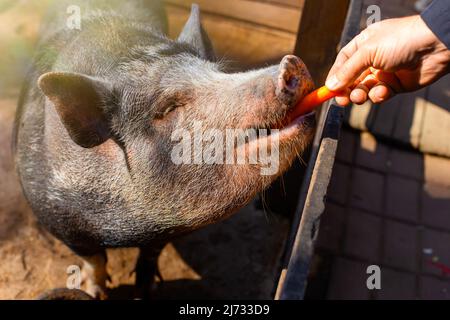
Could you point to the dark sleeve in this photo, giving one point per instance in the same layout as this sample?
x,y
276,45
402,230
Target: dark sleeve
x,y
437,18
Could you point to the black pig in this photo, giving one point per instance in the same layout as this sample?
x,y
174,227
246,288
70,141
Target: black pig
x,y
93,135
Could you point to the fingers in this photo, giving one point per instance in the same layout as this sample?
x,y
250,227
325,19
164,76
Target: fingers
x,y
353,74
359,95
344,54
351,61
377,94
346,75
362,86
378,86
389,78
380,93
344,99
370,87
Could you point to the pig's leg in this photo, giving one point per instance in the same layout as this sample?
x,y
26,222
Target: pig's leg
x,y
94,275
146,269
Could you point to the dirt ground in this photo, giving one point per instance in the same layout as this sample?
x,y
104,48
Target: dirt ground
x,y
235,259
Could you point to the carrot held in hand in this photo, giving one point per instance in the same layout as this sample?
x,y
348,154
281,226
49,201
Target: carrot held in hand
x,y
313,100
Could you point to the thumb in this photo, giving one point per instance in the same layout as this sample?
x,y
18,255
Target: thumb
x,y
345,76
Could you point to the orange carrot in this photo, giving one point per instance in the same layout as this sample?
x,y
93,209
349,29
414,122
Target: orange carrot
x,y
313,100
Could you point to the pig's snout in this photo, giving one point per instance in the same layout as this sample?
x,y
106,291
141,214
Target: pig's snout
x,y
293,81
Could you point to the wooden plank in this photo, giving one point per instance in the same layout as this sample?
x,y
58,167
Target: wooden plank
x,y
319,35
244,44
266,14
291,3
320,167
305,225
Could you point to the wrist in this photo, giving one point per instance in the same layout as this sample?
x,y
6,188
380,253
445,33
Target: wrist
x,y
429,41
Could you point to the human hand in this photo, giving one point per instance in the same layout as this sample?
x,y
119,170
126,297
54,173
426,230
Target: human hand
x,y
389,57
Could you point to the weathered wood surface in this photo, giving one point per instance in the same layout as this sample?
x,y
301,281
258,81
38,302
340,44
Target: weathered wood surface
x,y
266,14
292,3
319,35
258,33
243,44
300,247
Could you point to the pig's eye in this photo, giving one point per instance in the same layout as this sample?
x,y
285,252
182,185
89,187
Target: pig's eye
x,y
169,110
162,114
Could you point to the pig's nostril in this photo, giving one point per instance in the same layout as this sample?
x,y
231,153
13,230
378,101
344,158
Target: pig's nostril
x,y
292,83
292,80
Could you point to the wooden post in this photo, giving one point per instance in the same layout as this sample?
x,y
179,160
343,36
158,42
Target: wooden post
x,y
319,35
311,203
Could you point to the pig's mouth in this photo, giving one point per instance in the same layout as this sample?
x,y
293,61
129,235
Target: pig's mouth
x,y
293,82
288,128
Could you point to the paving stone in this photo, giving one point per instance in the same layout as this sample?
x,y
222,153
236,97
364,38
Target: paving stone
x,y
360,116
407,163
436,124
331,230
367,190
420,119
362,236
408,126
386,117
371,153
435,132
340,183
396,285
346,145
437,170
439,93
402,198
434,289
400,245
435,252
436,206
348,281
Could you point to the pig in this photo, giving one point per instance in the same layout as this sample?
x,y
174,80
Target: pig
x,y
93,131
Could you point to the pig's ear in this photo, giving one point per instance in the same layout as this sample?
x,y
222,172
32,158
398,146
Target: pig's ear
x,y
79,101
194,34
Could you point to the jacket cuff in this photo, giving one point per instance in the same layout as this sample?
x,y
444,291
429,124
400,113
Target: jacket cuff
x,y
437,18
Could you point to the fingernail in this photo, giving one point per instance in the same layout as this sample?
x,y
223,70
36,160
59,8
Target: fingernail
x,y
354,96
332,82
379,93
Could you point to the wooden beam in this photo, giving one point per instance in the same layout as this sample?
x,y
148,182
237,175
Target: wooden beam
x,y
271,15
320,30
291,3
311,203
244,45
319,34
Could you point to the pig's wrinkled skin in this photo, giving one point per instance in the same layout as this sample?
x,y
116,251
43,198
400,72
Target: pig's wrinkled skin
x,y
92,139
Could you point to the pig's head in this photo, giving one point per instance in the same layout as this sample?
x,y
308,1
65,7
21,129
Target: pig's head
x,y
151,110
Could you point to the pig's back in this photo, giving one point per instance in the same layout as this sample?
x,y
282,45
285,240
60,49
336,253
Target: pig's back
x,y
76,193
